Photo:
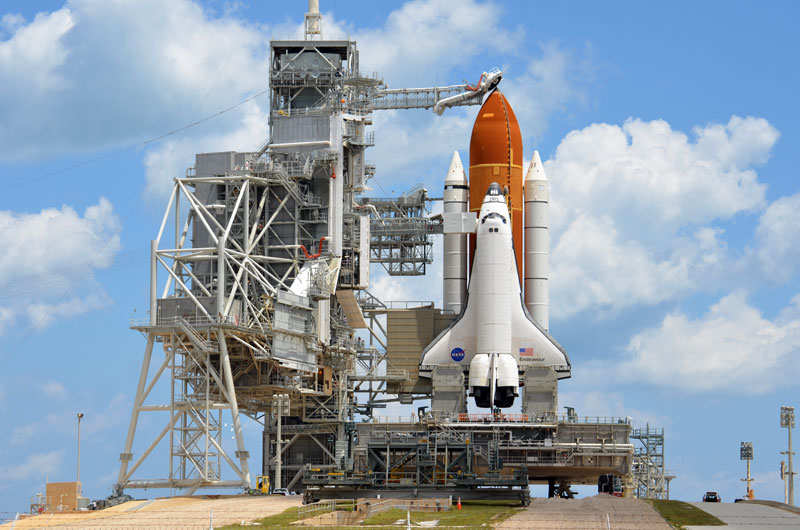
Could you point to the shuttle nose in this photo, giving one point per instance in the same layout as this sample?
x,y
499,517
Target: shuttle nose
x,y
494,190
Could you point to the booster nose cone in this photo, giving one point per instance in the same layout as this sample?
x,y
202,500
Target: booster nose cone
x,y
455,175
535,169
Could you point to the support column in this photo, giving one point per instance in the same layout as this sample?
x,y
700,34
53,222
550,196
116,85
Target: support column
x,y
126,456
241,453
278,455
221,278
153,284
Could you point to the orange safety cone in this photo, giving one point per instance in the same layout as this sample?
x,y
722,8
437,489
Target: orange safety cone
x,y
459,503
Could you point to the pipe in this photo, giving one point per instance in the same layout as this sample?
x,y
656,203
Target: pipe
x,y
319,252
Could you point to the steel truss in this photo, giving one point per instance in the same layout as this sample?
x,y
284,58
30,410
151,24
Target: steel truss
x,y
651,480
219,346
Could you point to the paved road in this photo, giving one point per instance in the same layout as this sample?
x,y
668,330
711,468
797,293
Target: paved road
x,y
593,513
747,516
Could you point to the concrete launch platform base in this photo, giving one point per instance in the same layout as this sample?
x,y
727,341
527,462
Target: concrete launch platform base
x,y
472,456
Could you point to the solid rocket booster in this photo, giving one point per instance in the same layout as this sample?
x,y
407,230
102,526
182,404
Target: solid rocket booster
x,y
455,245
537,242
495,155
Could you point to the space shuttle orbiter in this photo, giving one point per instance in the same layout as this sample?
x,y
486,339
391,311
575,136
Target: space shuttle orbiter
x,y
494,338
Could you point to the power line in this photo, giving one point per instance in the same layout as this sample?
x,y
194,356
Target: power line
x,y
74,273
132,146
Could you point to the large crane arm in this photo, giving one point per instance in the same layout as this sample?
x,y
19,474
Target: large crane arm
x,y
437,98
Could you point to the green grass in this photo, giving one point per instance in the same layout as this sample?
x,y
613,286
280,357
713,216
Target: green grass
x,y
473,514
280,520
680,514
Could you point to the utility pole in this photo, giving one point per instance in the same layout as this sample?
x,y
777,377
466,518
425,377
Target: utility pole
x,y
787,420
80,415
746,453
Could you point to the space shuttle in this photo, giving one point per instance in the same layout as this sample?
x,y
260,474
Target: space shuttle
x,y
499,343
494,338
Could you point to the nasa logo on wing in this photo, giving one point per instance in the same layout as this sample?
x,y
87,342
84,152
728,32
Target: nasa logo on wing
x,y
457,354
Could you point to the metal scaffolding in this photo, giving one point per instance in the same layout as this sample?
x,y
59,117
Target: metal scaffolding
x,y
651,480
401,235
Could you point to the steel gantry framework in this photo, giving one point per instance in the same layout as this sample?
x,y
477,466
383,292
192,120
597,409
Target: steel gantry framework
x,y
258,282
651,479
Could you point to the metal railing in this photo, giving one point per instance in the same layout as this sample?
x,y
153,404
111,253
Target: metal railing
x,y
492,418
407,304
311,42
379,507
439,505
395,419
194,321
326,506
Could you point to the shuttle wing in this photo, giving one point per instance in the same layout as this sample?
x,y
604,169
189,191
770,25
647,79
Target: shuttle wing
x,y
530,344
455,345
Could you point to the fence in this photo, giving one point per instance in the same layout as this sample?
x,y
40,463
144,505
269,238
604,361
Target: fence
x,y
368,508
421,505
331,505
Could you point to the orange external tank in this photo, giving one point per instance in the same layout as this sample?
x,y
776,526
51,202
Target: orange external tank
x,y
495,155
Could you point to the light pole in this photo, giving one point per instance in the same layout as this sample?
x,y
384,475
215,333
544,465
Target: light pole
x,y
80,415
783,478
746,453
787,420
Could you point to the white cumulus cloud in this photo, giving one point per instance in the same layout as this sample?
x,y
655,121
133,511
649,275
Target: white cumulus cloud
x,y
124,71
35,465
732,347
635,208
424,40
54,248
777,249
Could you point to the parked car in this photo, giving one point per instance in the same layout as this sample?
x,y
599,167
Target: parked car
x,y
711,496
610,484
281,491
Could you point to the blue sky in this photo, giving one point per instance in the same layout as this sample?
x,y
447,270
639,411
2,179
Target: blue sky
x,y
669,136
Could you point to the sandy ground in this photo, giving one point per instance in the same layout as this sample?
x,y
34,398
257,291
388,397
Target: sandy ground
x,y
598,512
182,513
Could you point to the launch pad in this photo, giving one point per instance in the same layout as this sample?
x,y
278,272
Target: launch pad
x,y
264,312
475,456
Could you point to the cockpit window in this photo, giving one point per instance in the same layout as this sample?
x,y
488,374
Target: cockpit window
x,y
493,215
